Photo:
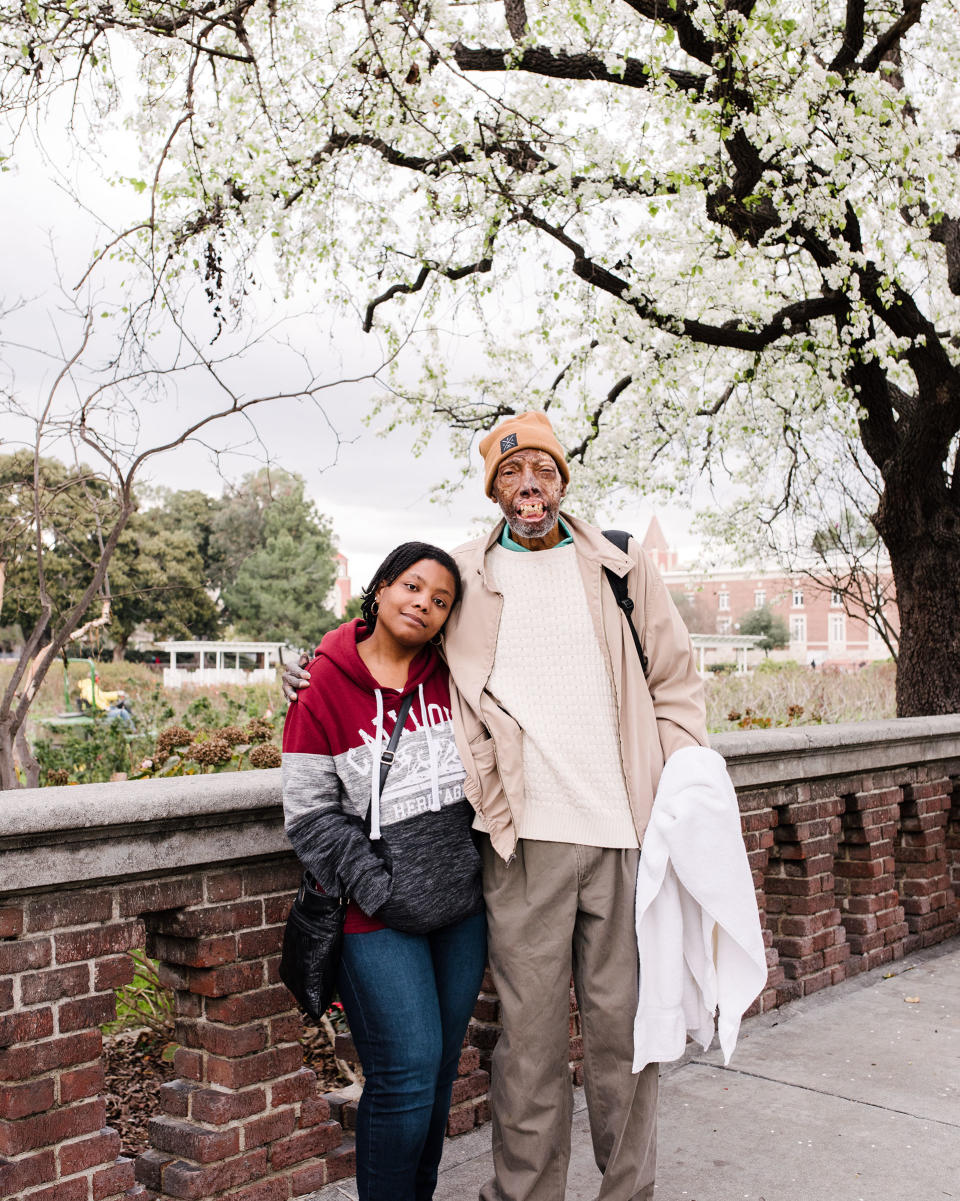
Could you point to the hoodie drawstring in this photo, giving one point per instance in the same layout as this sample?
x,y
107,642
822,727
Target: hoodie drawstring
x,y
375,775
432,752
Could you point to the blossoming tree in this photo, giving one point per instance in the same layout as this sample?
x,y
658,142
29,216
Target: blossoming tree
x,y
709,235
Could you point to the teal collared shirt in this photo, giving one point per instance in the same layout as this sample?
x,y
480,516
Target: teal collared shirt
x,y
509,544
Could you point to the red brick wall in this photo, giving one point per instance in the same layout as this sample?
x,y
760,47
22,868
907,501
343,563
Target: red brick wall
x,y
851,873
243,1120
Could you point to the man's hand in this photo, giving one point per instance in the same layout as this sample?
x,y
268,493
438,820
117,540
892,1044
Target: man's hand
x,y
295,677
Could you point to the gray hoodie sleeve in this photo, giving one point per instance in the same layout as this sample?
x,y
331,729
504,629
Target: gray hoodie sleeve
x,y
329,842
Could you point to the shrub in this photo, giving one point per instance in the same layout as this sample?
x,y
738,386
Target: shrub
x,y
259,730
166,723
210,752
172,737
87,754
265,756
200,713
182,752
144,1001
230,734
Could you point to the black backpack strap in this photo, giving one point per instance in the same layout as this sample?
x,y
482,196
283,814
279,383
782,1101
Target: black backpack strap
x,y
618,583
389,754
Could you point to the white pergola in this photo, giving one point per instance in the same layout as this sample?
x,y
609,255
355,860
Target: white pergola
x,y
738,643
219,662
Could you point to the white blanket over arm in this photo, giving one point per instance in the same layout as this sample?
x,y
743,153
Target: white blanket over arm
x,y
698,927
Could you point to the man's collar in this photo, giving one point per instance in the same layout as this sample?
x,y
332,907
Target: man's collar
x,y
510,543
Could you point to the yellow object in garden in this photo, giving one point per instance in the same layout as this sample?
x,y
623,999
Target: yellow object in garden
x,y
91,692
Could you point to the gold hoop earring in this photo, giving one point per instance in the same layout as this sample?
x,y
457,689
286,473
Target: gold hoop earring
x,y
375,608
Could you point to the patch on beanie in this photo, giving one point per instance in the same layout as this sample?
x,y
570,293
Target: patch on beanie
x,y
508,443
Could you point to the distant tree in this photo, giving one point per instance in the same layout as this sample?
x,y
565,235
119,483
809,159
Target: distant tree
x,y
157,579
352,611
73,507
193,513
849,558
60,526
771,628
238,520
692,612
276,555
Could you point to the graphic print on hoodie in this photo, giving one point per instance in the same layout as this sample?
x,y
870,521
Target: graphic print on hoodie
x,y
419,869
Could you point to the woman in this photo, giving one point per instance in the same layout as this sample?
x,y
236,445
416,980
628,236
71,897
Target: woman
x,y
415,933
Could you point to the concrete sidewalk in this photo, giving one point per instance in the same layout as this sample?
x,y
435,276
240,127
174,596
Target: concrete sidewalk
x,y
852,1094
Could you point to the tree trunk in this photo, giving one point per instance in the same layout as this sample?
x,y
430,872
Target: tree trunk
x,y
28,762
926,572
120,648
15,753
8,770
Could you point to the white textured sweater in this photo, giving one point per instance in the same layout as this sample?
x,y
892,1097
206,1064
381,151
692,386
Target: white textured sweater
x,y
550,675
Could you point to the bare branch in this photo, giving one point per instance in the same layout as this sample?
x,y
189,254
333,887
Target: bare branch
x,y
46,606
715,408
579,451
453,273
563,370
122,461
98,258
395,290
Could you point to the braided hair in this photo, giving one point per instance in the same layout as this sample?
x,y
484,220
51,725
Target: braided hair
x,y
395,564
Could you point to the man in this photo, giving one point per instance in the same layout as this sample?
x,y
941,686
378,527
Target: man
x,y
563,741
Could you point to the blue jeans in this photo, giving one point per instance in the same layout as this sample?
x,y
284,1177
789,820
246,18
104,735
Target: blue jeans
x,y
408,999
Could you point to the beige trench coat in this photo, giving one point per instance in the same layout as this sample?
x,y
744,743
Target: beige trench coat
x,y
657,715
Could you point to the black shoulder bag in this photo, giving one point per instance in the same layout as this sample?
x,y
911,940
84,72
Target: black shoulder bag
x,y
313,938
618,583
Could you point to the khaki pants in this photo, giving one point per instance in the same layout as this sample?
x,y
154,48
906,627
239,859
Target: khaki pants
x,y
557,908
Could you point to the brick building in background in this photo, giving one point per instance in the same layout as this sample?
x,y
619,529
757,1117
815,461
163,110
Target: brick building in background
x,y
821,629
340,592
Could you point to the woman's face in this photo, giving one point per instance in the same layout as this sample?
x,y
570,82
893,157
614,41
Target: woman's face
x,y
414,607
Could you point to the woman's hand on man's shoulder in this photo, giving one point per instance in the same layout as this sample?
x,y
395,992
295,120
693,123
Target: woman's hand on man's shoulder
x,y
295,677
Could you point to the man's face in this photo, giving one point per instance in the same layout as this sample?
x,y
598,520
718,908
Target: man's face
x,y
528,487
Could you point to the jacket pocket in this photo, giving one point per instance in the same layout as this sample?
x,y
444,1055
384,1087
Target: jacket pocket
x,y
482,784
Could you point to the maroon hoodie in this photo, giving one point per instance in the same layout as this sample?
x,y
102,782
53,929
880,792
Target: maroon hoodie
x,y
419,868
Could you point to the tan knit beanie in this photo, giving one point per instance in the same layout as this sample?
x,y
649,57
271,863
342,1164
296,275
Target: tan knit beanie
x,y
526,431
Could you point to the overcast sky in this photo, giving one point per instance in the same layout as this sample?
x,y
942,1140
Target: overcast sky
x,y
373,488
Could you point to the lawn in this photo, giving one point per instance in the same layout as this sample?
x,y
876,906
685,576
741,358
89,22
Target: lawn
x,y
789,694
